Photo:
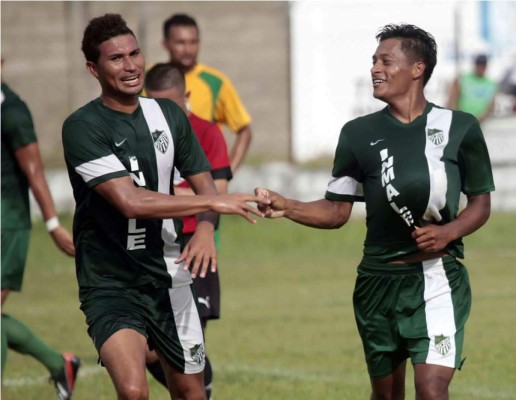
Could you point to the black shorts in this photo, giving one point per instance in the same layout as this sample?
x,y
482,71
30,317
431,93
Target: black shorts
x,y
168,317
207,293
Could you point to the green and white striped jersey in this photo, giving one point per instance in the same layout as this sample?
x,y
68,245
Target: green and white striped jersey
x,y
409,174
101,144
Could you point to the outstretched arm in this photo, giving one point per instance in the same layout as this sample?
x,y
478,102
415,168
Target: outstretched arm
x,y
29,160
434,238
135,202
322,214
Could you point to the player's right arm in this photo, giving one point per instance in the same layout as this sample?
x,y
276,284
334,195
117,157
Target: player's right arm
x,y
140,203
323,213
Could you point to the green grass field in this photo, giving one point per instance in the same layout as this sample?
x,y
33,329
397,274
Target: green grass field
x,y
287,331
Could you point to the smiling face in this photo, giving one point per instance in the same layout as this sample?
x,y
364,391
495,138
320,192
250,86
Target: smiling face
x,y
393,73
119,69
182,44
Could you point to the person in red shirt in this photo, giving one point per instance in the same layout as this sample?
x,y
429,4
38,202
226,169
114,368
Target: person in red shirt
x,y
167,80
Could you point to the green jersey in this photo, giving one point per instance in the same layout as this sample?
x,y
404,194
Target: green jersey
x,y
101,144
476,93
409,175
17,131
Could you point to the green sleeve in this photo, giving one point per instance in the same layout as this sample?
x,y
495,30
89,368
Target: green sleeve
x,y
474,162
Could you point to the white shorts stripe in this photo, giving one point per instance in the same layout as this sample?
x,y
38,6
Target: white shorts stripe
x,y
189,329
440,316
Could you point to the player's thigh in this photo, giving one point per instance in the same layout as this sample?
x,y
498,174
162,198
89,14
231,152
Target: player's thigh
x,y
432,381
123,355
15,246
181,385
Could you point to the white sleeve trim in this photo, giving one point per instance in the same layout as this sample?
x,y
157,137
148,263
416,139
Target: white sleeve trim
x,y
345,186
99,167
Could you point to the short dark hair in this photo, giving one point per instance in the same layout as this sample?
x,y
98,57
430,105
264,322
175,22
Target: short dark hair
x,y
481,59
101,29
165,76
178,20
416,43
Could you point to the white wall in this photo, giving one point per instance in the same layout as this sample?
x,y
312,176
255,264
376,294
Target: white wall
x,y
331,48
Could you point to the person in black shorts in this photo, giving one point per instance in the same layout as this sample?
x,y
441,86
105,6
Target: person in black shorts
x,y
408,162
167,81
133,268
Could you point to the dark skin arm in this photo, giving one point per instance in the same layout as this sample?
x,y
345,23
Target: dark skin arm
x,y
140,203
201,250
29,160
322,214
434,238
240,147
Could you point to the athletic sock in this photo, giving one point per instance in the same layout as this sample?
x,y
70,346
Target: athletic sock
x,y
208,376
21,339
156,371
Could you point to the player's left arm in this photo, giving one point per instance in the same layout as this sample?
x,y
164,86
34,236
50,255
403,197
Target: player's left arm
x,y
434,238
200,252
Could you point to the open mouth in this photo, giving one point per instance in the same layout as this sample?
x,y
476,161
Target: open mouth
x,y
132,80
377,82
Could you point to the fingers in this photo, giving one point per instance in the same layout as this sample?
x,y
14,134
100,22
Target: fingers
x,y
198,257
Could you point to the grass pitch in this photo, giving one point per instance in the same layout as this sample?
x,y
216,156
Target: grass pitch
x,y
287,330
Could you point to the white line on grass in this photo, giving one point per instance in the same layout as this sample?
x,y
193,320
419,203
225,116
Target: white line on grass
x,y
347,378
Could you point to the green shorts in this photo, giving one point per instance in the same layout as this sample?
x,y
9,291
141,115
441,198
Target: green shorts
x,y
167,317
412,310
15,246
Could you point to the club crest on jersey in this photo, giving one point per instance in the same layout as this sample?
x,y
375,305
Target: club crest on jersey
x,y
436,136
197,353
161,141
442,344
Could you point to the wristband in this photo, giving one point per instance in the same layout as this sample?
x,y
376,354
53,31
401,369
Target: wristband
x,y
52,224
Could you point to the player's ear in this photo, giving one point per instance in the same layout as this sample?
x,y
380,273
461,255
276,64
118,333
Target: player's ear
x,y
418,70
187,94
92,69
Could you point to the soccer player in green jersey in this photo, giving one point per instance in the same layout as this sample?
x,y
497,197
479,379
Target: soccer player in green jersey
x,y
409,163
132,265
22,168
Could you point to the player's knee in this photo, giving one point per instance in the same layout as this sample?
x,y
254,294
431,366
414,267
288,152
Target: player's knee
x,y
133,391
432,389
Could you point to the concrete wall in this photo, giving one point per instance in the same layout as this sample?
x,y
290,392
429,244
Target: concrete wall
x,y
248,41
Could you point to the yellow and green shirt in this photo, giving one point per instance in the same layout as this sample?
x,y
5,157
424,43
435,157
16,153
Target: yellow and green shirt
x,y
214,98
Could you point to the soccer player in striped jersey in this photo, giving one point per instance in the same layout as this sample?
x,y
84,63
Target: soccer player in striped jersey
x,y
409,163
132,264
168,81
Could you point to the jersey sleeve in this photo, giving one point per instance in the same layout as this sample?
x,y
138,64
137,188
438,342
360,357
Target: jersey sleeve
x,y
89,154
214,145
17,125
346,181
229,109
474,163
189,155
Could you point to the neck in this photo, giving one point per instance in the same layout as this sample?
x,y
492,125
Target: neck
x,y
127,104
408,108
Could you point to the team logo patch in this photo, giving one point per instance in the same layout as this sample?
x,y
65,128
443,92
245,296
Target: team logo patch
x,y
436,136
160,139
197,353
442,344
